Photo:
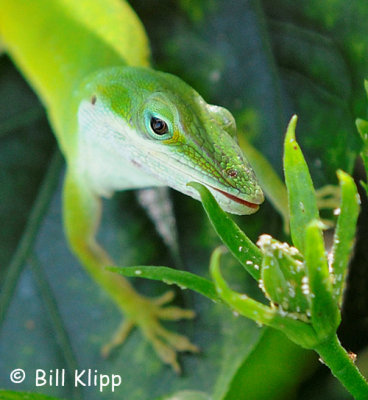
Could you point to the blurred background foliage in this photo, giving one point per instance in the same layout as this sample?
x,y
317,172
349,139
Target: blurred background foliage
x,y
264,60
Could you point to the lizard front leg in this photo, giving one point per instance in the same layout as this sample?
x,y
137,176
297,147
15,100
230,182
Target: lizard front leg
x,y
82,211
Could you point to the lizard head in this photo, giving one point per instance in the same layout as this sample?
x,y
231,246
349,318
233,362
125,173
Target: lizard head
x,y
171,133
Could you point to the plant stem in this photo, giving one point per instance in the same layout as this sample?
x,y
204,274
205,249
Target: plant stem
x,y
343,368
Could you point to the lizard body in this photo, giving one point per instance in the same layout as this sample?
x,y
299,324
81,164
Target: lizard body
x,y
122,125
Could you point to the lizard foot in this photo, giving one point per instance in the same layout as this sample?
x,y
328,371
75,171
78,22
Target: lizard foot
x,y
147,317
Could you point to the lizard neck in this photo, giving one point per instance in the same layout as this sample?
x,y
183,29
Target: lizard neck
x,y
53,44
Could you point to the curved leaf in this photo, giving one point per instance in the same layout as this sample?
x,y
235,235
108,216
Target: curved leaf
x,y
170,276
242,248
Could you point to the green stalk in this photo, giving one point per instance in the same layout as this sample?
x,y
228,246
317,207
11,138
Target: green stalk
x,y
343,368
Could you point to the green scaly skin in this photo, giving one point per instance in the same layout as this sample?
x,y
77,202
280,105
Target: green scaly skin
x,y
101,99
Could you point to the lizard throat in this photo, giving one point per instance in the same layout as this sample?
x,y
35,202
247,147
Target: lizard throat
x,y
237,199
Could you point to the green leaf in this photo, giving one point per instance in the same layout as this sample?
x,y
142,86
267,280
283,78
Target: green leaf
x,y
345,232
242,248
8,395
325,314
274,282
170,276
302,198
275,384
241,303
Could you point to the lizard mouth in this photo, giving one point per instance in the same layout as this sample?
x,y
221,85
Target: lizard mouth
x,y
237,199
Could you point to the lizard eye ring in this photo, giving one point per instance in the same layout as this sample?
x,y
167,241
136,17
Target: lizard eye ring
x,y
159,126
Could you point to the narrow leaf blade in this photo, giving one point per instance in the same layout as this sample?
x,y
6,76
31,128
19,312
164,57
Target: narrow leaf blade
x,y
345,231
242,304
324,311
184,279
301,194
242,248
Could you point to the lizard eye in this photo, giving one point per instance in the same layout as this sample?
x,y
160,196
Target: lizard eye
x,y
158,123
159,126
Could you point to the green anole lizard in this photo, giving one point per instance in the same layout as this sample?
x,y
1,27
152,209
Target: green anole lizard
x,y
122,125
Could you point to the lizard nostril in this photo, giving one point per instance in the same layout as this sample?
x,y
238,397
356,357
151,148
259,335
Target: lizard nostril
x,y
232,173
